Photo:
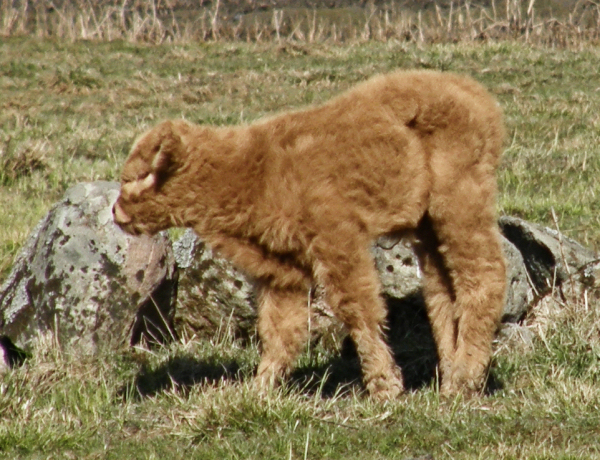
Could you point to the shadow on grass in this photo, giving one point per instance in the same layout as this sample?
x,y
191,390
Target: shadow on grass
x,y
181,373
409,337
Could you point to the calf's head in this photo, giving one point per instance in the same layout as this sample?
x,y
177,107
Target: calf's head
x,y
147,204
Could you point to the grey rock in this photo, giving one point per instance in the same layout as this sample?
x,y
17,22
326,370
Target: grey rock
x,y
519,296
589,277
81,278
400,276
213,295
216,299
551,258
398,267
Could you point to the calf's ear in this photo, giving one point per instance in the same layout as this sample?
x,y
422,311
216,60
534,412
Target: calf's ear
x,y
170,149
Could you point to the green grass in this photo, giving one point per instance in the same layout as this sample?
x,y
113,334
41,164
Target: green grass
x,y
69,112
195,400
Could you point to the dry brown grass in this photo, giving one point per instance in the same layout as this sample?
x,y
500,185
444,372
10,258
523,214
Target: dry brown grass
x,y
22,160
158,21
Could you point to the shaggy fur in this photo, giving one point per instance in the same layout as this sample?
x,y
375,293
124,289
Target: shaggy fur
x,y
297,199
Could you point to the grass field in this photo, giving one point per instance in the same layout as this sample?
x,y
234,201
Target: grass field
x,y
69,111
195,401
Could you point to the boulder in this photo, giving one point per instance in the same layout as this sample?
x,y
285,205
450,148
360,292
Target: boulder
x,y
519,295
589,277
398,267
214,296
85,281
553,261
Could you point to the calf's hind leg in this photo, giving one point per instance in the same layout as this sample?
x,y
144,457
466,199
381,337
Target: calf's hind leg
x,y
479,282
471,267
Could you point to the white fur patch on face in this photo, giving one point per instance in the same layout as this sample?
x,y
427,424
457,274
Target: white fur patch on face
x,y
127,188
148,182
137,187
157,160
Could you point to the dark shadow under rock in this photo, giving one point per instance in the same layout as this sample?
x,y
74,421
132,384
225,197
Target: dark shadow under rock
x,y
10,355
411,340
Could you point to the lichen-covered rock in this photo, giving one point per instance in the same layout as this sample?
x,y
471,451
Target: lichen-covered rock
x,y
216,297
589,277
519,296
213,295
81,278
552,260
401,280
398,267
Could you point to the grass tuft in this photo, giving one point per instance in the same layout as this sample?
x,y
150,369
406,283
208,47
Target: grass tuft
x,y
31,156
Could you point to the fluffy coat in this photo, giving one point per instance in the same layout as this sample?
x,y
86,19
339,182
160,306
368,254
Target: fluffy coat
x,y
297,199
